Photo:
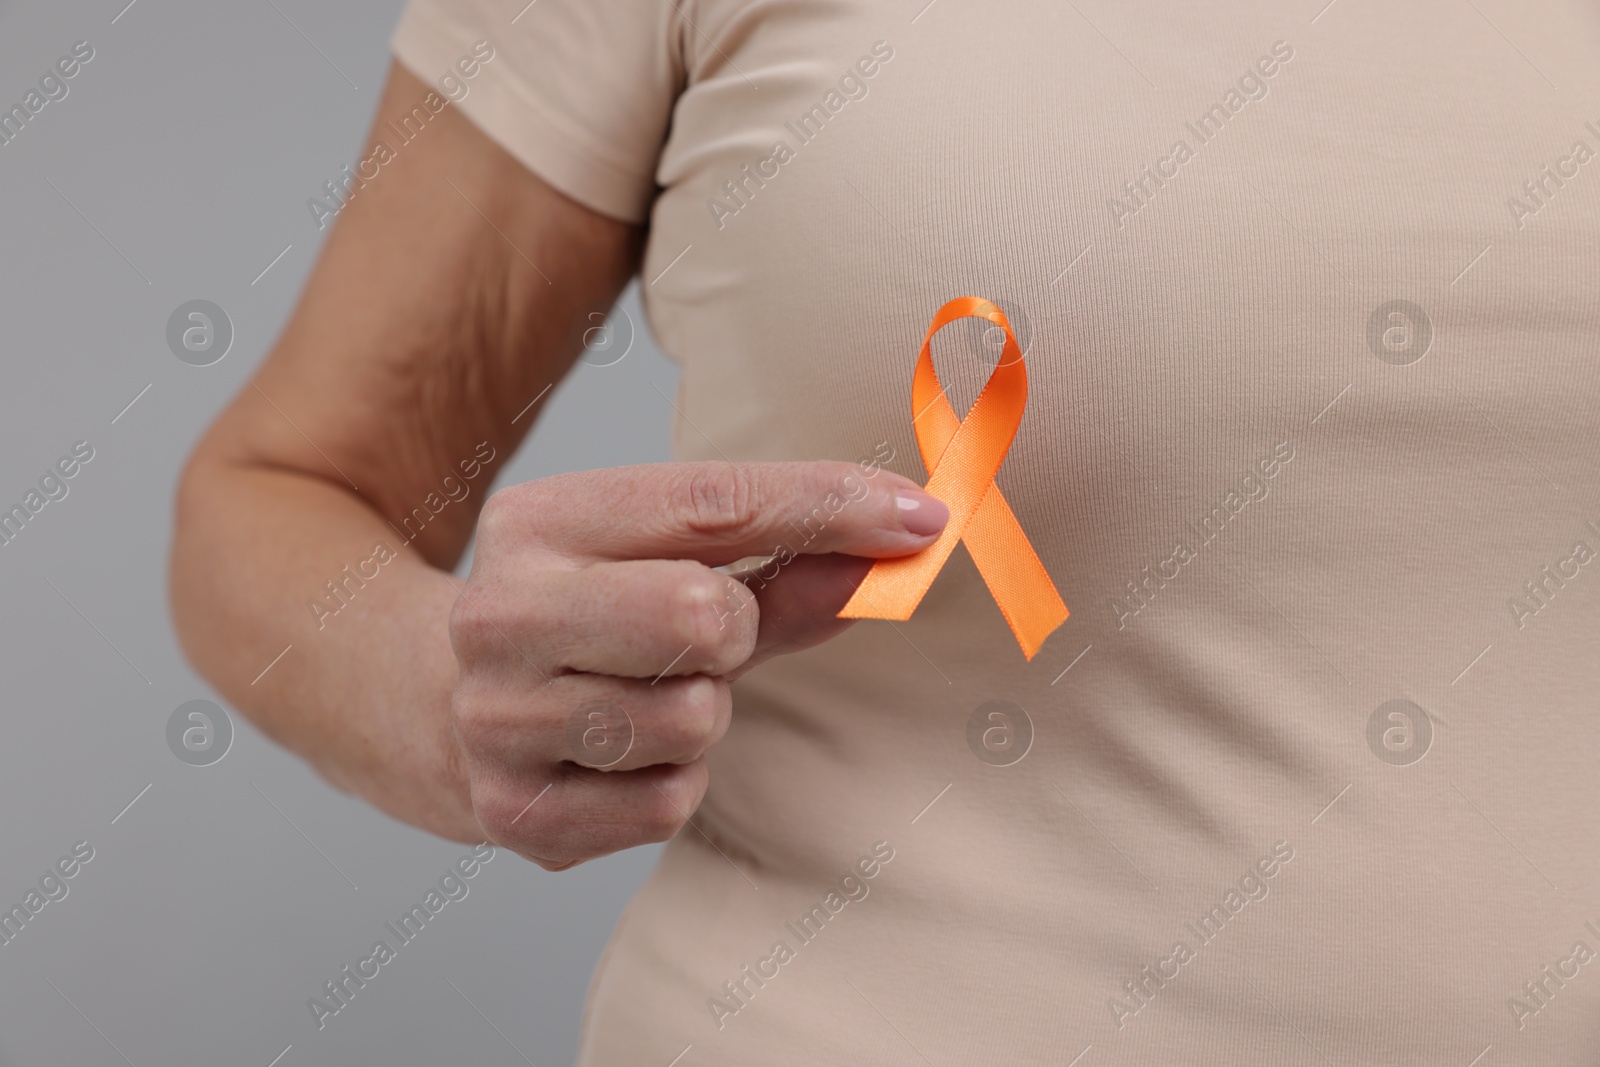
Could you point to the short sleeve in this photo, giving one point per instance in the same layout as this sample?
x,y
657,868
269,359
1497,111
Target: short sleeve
x,y
579,91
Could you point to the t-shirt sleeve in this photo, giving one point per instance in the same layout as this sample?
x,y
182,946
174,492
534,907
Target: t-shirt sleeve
x,y
579,91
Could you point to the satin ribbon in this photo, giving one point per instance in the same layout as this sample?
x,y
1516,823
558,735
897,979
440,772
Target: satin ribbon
x,y
962,457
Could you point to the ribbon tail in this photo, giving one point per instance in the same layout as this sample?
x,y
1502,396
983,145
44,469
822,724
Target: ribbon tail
x,y
893,588
1014,574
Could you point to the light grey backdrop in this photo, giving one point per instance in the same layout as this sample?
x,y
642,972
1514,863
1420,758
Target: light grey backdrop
x,y
177,167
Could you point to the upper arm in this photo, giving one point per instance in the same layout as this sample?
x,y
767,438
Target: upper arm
x,y
453,289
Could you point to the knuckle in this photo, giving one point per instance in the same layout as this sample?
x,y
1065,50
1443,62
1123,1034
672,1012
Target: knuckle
x,y
497,811
691,726
478,620
469,625
500,724
475,718
696,594
504,621
715,499
597,733
672,802
508,817
496,516
713,614
517,514
659,821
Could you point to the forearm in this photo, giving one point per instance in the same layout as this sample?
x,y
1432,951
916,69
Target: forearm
x,y
363,691
322,509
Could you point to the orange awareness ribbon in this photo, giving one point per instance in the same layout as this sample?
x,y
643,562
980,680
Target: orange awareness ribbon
x,y
962,457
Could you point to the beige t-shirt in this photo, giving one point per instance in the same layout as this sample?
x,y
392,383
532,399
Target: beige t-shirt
x,y
1311,302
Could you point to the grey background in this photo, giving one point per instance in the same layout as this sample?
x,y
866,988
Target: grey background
x,y
205,920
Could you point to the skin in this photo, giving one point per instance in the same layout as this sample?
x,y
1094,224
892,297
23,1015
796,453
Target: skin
x,y
424,333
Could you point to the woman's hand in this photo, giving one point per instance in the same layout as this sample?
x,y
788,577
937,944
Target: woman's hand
x,y
595,641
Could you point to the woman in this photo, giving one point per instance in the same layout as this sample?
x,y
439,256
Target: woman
x,y
1305,301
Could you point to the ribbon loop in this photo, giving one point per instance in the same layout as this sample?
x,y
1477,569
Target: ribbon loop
x,y
962,457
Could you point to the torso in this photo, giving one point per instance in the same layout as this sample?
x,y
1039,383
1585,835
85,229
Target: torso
x,y
1203,716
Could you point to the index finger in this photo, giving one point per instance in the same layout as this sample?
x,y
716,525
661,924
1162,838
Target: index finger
x,y
717,513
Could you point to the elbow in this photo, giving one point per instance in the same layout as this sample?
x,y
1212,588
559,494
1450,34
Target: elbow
x,y
184,598
193,608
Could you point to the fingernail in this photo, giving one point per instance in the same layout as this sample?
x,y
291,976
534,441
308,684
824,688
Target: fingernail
x,y
920,513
